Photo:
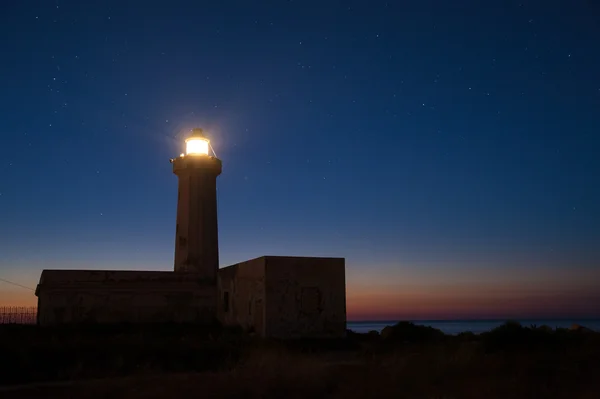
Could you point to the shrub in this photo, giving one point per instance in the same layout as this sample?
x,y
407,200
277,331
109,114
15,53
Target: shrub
x,y
407,332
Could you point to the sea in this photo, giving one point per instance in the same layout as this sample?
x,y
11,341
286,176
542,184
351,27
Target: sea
x,y
454,327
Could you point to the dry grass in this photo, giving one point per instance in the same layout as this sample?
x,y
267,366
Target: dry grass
x,y
500,365
465,372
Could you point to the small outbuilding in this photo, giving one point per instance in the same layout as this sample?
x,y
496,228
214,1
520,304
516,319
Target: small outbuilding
x,y
285,296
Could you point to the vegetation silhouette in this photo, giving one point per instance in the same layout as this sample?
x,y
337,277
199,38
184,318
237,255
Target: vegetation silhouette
x,y
405,360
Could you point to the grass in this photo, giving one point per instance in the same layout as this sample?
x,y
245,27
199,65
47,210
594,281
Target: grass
x,y
510,361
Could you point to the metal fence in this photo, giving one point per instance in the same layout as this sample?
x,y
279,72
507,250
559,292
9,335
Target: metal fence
x,y
18,314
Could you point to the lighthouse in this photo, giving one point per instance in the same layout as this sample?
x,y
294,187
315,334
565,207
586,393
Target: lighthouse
x,y
196,231
274,296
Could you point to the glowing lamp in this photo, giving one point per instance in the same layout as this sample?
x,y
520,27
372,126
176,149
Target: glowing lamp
x,y
196,144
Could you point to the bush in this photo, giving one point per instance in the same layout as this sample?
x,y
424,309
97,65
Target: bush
x,y
407,332
512,336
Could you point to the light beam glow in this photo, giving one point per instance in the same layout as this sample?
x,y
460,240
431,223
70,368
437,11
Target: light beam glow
x,y
195,146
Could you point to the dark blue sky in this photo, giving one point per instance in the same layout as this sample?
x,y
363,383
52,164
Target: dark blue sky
x,y
427,142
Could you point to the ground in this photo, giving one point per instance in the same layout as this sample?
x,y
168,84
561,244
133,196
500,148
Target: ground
x,y
510,362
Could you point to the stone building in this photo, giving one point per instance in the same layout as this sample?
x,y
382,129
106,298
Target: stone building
x,y
274,296
285,296
116,296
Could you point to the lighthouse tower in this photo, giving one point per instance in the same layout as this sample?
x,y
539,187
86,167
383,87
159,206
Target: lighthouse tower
x,y
196,232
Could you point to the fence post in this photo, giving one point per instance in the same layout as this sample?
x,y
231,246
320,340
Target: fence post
x,y
18,315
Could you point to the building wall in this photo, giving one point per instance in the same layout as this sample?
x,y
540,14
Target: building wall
x,y
73,296
306,297
282,297
242,295
285,297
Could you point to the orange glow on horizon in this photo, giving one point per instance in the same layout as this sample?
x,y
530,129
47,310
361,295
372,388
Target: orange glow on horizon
x,y
10,297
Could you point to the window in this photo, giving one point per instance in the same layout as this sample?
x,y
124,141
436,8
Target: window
x,y
225,301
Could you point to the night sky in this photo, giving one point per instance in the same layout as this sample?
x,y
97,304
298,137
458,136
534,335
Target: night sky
x,y
447,149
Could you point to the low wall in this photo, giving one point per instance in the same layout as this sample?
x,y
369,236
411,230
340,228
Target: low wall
x,y
92,296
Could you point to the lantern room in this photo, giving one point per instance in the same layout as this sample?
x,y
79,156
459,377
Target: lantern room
x,y
197,143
